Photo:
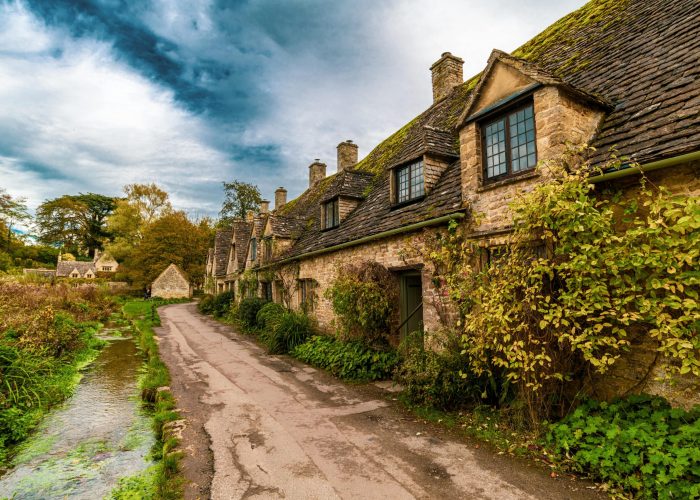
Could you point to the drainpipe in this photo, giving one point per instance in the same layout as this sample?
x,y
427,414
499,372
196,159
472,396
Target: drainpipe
x,y
647,167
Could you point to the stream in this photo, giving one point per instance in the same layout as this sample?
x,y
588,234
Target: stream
x,y
99,435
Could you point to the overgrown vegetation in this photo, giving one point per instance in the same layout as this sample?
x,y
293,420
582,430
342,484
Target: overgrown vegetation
x,y
437,375
638,443
579,275
362,301
162,480
349,360
47,334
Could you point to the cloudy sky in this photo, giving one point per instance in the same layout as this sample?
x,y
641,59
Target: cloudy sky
x,y
95,94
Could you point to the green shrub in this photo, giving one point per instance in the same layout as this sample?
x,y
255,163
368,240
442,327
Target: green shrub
x,y
268,313
363,299
638,443
248,311
286,331
206,303
347,360
436,376
222,304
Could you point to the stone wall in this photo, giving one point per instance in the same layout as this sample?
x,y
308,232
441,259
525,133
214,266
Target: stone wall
x,y
170,285
398,254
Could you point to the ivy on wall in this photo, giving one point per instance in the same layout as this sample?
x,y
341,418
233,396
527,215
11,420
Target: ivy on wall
x,y
581,273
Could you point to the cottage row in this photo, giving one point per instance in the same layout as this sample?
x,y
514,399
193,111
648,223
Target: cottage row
x,y
622,76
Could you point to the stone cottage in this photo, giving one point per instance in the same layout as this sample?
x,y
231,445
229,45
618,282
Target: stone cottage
x,y
172,283
620,76
103,265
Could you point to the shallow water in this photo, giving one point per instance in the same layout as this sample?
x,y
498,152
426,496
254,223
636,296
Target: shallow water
x,y
99,435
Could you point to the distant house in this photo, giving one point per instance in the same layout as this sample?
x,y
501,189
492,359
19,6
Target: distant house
x,y
172,283
102,264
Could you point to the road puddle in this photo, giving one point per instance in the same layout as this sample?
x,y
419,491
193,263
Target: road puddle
x,y
98,436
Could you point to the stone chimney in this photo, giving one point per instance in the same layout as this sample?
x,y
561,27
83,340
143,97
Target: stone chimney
x,y
280,197
347,155
447,74
264,206
317,172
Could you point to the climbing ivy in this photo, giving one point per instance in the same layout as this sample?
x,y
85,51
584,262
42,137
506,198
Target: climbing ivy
x,y
582,273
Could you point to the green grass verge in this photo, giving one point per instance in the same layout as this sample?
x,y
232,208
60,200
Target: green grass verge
x,y
162,480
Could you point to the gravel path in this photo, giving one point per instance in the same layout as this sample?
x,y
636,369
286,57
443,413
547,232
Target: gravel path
x,y
262,426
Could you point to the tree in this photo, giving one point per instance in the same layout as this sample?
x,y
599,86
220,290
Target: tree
x,y
12,211
241,198
75,221
144,204
172,238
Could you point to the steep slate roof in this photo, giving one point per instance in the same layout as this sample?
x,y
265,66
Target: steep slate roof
x,y
349,184
641,55
222,245
640,59
241,233
65,267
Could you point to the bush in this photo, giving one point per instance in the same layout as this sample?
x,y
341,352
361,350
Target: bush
x,y
436,376
638,443
268,313
206,304
248,311
286,331
347,360
221,304
363,300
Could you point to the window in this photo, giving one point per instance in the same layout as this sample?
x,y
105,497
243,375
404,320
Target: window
x,y
267,290
509,143
306,295
267,249
74,275
106,268
331,216
409,182
253,249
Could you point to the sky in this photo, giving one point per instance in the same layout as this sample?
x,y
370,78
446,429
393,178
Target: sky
x,y
96,94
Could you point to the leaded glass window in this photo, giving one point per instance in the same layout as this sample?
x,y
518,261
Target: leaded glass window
x,y
509,143
409,182
331,216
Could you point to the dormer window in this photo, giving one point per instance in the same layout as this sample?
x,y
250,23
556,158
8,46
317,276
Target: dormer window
x,y
409,182
331,214
509,143
253,249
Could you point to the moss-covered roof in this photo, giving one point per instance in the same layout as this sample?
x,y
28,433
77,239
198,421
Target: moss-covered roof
x,y
638,58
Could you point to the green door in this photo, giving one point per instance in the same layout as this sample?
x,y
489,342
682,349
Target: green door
x,y
411,304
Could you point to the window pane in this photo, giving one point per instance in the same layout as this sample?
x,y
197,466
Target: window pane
x,y
402,184
522,139
495,141
417,182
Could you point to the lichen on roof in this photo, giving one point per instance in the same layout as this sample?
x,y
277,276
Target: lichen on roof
x,y
596,16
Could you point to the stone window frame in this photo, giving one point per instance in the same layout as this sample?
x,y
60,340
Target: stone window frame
x,y
396,171
106,268
332,206
253,249
501,113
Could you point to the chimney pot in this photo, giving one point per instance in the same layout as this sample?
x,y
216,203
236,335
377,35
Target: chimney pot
x,y
447,73
280,197
317,172
347,155
264,206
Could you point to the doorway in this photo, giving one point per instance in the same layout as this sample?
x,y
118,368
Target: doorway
x,y
411,303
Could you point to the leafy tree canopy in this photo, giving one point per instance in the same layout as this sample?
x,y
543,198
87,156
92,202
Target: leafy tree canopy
x,y
75,221
241,198
12,211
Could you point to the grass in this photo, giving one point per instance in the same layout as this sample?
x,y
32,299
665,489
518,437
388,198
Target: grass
x,y
163,480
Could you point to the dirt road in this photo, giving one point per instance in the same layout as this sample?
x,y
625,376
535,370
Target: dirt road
x,y
264,426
